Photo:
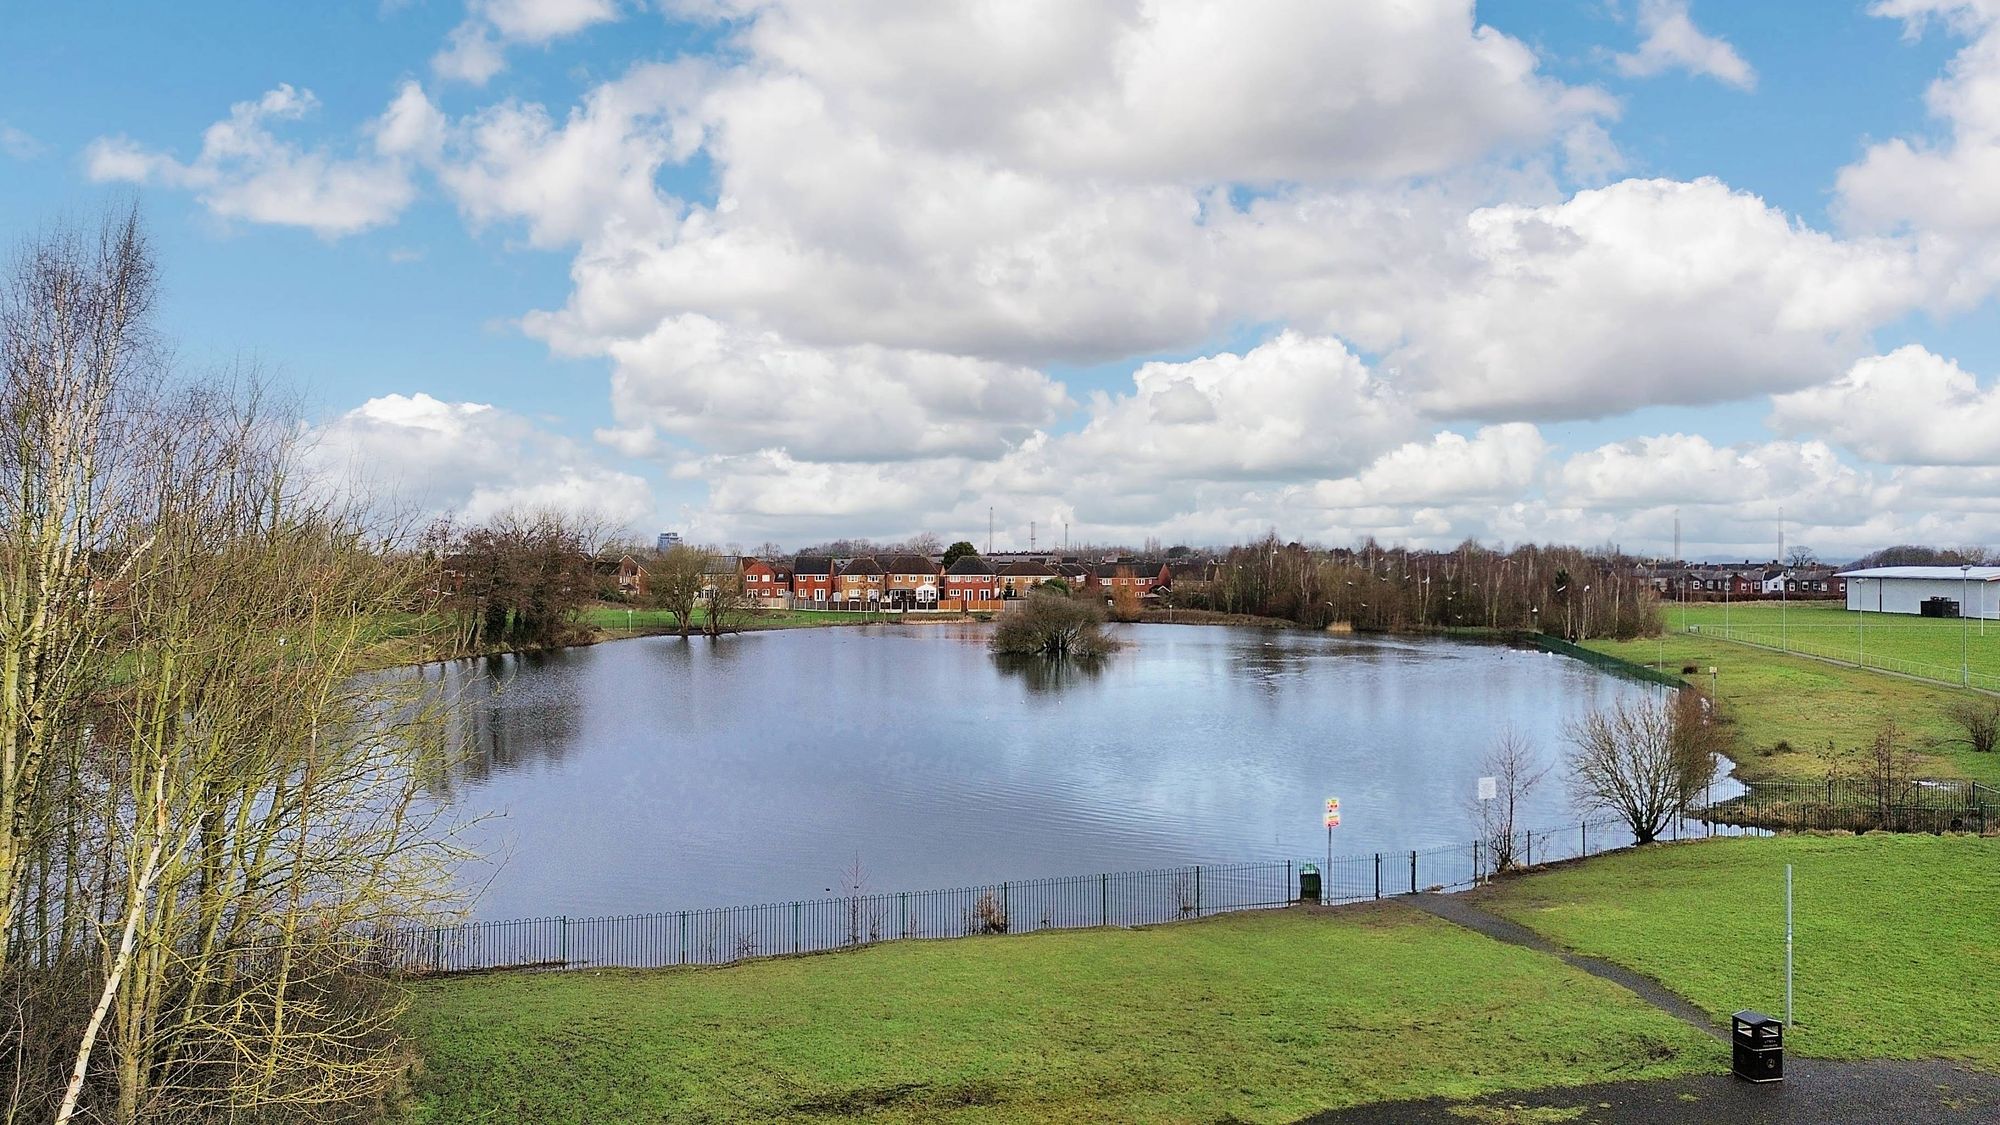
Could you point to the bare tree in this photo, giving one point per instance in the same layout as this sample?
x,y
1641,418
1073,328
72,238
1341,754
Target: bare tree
x,y
723,596
1980,720
206,810
1700,741
1517,771
678,579
1889,769
1624,759
74,338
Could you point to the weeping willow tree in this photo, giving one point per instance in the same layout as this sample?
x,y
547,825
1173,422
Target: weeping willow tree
x,y
212,811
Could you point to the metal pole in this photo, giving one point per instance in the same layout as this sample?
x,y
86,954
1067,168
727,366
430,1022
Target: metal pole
x,y
1329,851
1788,945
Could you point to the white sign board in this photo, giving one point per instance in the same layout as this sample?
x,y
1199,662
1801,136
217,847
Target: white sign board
x,y
1489,788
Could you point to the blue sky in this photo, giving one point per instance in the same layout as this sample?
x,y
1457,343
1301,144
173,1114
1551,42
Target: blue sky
x,y
1531,269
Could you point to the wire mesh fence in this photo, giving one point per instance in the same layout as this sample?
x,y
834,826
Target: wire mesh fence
x,y
723,935
1845,645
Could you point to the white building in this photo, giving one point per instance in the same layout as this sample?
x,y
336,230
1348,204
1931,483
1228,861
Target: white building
x,y
1970,591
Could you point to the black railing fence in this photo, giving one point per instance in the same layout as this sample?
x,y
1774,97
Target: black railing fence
x,y
1872,793
1864,805
721,935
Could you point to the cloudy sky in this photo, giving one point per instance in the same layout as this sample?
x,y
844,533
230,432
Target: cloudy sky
x,y
778,269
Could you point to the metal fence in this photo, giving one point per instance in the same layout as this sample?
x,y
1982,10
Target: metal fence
x,y
1604,662
1842,645
723,935
1862,805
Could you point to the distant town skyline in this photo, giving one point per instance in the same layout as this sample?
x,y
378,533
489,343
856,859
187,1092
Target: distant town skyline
x,y
771,270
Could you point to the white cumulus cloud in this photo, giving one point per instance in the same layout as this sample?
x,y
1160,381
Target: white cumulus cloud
x,y
246,171
1673,42
470,460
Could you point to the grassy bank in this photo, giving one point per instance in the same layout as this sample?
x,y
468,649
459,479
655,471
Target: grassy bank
x,y
612,620
1896,947
1256,1017
1798,718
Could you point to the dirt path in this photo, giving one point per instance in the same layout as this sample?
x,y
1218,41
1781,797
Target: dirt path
x,y
1455,909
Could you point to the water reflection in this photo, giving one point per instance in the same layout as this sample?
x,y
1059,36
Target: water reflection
x,y
662,772
1042,675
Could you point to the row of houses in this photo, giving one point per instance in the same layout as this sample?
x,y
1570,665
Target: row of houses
x,y
917,582
1745,580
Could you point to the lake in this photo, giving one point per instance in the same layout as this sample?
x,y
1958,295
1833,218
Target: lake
x,y
659,773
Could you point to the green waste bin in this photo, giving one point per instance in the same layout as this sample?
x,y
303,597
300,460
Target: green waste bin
x,y
1309,883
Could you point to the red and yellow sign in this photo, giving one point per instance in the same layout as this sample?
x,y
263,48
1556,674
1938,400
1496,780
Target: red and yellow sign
x,y
1333,812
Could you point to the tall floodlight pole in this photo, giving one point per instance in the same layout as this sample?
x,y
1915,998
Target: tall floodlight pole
x,y
1964,585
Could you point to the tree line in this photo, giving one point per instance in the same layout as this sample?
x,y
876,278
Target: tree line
x,y
202,813
1565,591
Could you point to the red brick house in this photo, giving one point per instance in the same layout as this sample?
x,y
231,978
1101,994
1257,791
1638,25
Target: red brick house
x,y
860,584
911,582
768,583
1138,577
970,581
812,581
631,578
1017,578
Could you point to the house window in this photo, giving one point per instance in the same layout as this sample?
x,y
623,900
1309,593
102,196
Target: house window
x,y
819,595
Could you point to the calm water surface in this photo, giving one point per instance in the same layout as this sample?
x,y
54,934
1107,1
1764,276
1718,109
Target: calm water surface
x,y
658,773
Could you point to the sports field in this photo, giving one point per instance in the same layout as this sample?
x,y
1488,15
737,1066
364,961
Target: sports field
x,y
1948,650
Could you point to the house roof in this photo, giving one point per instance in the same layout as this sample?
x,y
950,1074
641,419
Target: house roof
x,y
723,564
866,564
1954,573
911,564
969,565
1026,569
813,565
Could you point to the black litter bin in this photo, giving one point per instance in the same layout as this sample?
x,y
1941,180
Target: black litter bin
x,y
1308,883
1758,1047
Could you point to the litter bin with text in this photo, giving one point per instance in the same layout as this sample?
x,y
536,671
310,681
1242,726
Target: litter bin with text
x,y
1757,1044
1308,883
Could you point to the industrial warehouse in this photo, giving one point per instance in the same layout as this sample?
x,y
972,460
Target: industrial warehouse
x,y
1925,591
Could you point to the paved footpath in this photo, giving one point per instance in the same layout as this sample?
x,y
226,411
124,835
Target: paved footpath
x,y
1814,1092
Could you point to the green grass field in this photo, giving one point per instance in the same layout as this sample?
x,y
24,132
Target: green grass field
x,y
1253,1017
1922,646
1896,948
613,619
1797,718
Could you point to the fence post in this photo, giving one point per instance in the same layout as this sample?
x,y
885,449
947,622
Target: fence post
x,y
1197,891
798,910
1378,874
1475,863
1006,906
1413,871
684,937
563,944
1585,828
905,897
1104,900
1531,849
1287,896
